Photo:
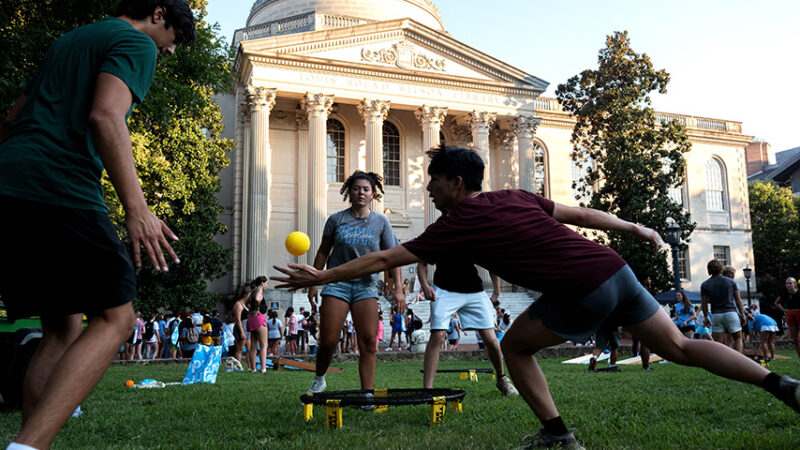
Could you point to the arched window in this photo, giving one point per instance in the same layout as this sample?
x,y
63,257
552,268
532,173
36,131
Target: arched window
x,y
539,170
335,151
391,154
715,186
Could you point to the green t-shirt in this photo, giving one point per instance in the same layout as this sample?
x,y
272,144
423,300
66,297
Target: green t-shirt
x,y
49,155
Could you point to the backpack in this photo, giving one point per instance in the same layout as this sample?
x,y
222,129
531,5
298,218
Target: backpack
x,y
148,330
192,336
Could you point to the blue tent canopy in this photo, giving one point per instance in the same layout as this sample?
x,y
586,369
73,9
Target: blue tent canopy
x,y
668,298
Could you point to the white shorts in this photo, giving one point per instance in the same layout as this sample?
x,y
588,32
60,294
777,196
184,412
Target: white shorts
x,y
728,322
475,311
765,328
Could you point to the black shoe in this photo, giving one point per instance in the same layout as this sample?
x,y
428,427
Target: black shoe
x,y
593,365
647,369
790,392
543,439
613,369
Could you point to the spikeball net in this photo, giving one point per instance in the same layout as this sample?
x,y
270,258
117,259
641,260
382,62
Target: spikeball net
x,y
380,400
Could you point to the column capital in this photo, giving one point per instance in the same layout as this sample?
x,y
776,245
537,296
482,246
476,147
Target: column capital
x,y
525,126
482,120
261,98
373,110
316,104
428,115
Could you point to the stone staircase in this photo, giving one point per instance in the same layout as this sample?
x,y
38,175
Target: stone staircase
x,y
513,302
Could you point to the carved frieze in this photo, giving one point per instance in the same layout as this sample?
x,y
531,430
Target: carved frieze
x,y
403,56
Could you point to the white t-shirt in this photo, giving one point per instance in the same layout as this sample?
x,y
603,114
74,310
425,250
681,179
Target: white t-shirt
x,y
154,337
273,329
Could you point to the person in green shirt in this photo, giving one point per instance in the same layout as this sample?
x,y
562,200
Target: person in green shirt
x,y
69,125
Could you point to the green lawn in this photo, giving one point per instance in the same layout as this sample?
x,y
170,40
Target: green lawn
x,y
671,407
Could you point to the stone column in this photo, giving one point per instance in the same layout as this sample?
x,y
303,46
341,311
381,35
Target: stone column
x,y
374,112
261,101
317,106
430,119
525,126
302,182
481,122
240,192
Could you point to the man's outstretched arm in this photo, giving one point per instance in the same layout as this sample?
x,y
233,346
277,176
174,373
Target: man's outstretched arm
x,y
598,220
304,275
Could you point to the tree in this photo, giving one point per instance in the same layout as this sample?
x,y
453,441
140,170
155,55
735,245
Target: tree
x,y
775,220
631,160
177,144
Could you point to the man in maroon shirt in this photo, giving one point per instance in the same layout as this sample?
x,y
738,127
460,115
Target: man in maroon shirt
x,y
522,238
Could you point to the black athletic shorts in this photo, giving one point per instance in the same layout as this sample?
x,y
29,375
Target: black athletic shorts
x,y
56,260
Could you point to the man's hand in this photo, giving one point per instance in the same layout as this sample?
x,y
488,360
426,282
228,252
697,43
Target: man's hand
x,y
428,291
150,232
312,295
302,275
399,301
647,234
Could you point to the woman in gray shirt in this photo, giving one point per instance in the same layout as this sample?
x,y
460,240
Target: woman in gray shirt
x,y
348,234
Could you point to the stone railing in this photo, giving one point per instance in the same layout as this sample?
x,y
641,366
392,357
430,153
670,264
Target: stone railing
x,y
543,104
329,21
295,24
302,22
663,117
546,104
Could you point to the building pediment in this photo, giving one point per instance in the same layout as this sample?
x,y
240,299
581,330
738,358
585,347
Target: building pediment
x,y
397,45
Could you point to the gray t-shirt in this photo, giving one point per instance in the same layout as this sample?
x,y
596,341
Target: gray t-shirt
x,y
354,237
719,294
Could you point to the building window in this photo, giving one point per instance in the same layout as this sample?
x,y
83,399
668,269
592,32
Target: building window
x,y
391,154
715,186
539,170
335,152
579,171
683,264
722,253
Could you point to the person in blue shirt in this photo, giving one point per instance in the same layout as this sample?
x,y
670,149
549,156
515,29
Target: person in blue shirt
x,y
684,314
766,327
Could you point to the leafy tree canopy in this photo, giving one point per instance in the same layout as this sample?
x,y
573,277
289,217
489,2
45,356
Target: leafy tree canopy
x,y
631,160
176,134
775,220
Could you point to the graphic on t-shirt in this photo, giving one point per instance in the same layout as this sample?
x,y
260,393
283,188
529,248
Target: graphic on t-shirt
x,y
355,235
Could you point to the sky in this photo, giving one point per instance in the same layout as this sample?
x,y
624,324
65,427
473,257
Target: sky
x,y
735,60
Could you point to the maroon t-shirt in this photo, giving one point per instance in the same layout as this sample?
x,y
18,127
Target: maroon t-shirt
x,y
512,233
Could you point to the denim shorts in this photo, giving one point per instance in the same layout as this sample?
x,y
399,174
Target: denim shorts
x,y
620,300
351,291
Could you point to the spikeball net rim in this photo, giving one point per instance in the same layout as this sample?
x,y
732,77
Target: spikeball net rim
x,y
462,371
394,397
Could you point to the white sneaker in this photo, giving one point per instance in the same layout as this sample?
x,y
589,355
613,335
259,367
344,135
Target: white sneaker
x,y
317,386
506,387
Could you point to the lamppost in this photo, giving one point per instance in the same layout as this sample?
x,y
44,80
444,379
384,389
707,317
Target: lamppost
x,y
674,239
748,272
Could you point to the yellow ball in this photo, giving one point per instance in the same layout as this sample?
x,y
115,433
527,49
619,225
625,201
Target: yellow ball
x,y
297,243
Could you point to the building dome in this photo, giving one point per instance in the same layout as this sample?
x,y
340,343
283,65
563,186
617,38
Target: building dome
x,y
337,13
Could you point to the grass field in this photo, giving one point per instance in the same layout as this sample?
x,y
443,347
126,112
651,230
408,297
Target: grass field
x,y
671,407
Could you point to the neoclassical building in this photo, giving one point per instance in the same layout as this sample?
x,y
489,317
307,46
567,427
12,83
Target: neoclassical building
x,y
330,86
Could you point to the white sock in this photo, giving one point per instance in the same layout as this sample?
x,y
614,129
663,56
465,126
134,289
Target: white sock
x,y
319,378
16,446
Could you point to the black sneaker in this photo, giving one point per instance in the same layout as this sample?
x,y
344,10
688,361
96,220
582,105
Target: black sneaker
x,y
613,369
543,439
593,365
790,392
